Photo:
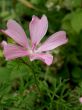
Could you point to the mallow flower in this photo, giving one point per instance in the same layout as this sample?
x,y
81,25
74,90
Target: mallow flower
x,y
32,48
80,100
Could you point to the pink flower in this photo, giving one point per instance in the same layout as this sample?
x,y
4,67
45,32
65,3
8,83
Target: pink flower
x,y
80,99
38,28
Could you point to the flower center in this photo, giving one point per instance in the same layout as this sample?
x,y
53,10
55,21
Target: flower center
x,y
31,51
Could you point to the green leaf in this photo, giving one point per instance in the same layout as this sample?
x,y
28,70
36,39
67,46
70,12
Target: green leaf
x,y
76,21
70,4
77,74
19,72
4,74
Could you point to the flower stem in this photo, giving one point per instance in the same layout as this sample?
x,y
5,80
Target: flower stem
x,y
36,81
34,74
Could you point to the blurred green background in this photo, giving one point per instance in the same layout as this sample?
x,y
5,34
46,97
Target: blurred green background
x,y
60,85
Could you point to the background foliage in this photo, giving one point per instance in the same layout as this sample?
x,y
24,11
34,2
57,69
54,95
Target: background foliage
x,y
60,85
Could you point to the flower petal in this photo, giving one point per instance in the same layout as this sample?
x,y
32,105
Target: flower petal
x,y
38,28
16,32
55,40
13,51
46,58
80,99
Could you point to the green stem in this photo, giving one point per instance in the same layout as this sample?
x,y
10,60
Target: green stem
x,y
36,81
3,5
